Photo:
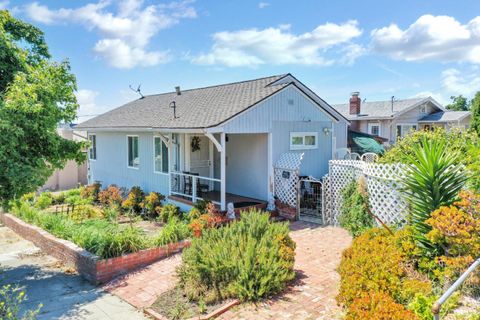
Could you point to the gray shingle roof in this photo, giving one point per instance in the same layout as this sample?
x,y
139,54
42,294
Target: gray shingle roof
x,y
196,108
445,116
378,109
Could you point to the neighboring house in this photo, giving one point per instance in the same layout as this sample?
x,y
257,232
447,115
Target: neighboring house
x,y
219,142
72,174
395,118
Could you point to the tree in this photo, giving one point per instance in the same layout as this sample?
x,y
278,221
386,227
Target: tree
x,y
475,107
459,103
36,94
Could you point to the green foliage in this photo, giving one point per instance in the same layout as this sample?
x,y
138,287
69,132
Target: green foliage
x,y
475,107
111,214
421,306
134,200
378,306
168,212
152,203
354,216
459,103
111,197
201,205
44,200
174,231
434,176
249,259
11,299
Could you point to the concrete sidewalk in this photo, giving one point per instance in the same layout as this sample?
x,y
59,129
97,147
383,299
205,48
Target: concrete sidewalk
x,y
64,296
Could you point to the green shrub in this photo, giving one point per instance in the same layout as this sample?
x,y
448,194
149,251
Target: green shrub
x,y
58,225
58,198
134,200
354,215
152,203
44,201
421,306
11,299
174,231
76,199
248,259
111,214
434,176
201,205
28,197
84,212
24,211
168,212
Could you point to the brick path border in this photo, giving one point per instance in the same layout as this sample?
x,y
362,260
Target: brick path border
x,y
88,265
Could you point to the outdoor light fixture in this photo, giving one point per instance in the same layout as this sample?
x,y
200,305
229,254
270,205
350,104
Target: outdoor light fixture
x,y
327,130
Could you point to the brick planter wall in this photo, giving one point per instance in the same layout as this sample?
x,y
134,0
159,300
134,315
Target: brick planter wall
x,y
286,211
88,265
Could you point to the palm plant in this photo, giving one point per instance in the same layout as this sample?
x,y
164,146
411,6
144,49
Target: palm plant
x,y
434,176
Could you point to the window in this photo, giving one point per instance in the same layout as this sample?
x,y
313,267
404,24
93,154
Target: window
x,y
423,109
132,149
303,140
160,156
92,151
374,129
404,129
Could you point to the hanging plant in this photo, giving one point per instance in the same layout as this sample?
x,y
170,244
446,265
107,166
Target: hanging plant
x,y
195,144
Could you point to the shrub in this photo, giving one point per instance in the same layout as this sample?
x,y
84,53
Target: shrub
x,y
434,176
201,205
44,201
134,200
110,197
203,222
421,306
111,214
152,203
354,209
28,197
84,212
77,200
11,299
248,259
168,212
173,232
58,198
377,262
193,214
377,306
91,191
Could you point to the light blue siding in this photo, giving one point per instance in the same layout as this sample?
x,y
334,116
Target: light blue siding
x,y
111,164
315,161
288,105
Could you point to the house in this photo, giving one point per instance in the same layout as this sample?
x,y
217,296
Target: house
x,y
73,173
395,118
218,143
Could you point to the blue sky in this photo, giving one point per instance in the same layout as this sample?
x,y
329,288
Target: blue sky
x,y
380,48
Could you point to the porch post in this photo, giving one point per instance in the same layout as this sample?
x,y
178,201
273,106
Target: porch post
x,y
223,186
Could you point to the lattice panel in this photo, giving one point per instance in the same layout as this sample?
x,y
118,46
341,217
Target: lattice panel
x,y
383,186
286,182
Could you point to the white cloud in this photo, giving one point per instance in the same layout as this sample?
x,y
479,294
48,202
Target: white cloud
x,y
88,107
4,4
262,5
464,83
440,38
126,33
437,96
279,46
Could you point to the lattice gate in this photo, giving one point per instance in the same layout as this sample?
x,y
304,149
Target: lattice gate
x,y
310,204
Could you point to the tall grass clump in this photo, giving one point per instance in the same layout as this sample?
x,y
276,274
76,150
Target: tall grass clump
x,y
249,259
174,231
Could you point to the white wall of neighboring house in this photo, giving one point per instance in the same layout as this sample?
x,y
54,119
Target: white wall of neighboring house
x,y
72,174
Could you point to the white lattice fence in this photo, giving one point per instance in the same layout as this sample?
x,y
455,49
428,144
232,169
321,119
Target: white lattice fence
x,y
383,186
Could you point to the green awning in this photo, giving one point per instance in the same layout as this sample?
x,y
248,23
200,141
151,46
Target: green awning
x,y
362,143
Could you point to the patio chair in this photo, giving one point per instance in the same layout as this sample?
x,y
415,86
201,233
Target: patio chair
x,y
187,183
352,156
201,187
341,153
369,157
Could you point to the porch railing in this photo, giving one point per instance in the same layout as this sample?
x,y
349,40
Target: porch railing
x,y
194,187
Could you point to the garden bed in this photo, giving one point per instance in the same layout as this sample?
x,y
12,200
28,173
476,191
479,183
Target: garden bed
x,y
90,266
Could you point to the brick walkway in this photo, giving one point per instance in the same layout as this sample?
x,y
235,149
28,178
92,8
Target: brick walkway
x,y
312,296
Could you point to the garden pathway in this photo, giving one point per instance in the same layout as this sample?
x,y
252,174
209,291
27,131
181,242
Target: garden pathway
x,y
312,296
45,280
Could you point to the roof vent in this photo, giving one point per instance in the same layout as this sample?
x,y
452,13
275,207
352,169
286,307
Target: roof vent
x,y
177,89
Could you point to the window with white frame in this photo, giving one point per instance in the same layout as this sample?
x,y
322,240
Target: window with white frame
x,y
303,140
160,156
374,129
404,129
92,151
132,150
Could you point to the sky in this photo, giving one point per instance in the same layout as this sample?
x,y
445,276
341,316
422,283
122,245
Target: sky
x,y
381,48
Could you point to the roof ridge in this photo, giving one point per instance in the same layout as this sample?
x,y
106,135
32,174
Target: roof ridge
x,y
336,104
222,84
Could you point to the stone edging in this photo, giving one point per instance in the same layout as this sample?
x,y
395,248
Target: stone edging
x,y
215,313
88,265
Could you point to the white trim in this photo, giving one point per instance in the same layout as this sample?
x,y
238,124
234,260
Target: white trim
x,y
212,139
303,135
91,147
374,124
128,166
270,184
168,156
223,184
187,151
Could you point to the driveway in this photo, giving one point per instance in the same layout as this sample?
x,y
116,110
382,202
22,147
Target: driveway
x,y
46,281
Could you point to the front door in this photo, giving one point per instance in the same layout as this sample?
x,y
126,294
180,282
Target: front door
x,y
200,157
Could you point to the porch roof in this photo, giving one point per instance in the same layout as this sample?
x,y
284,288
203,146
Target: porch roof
x,y
195,108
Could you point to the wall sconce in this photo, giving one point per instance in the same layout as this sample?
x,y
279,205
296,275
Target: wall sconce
x,y
327,130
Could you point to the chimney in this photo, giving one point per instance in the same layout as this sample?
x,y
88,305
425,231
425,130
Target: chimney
x,y
355,103
177,89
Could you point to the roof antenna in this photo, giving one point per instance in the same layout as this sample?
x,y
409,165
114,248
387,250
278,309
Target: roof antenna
x,y
137,90
393,98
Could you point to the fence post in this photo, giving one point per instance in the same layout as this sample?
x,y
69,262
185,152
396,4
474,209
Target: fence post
x,y
194,189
